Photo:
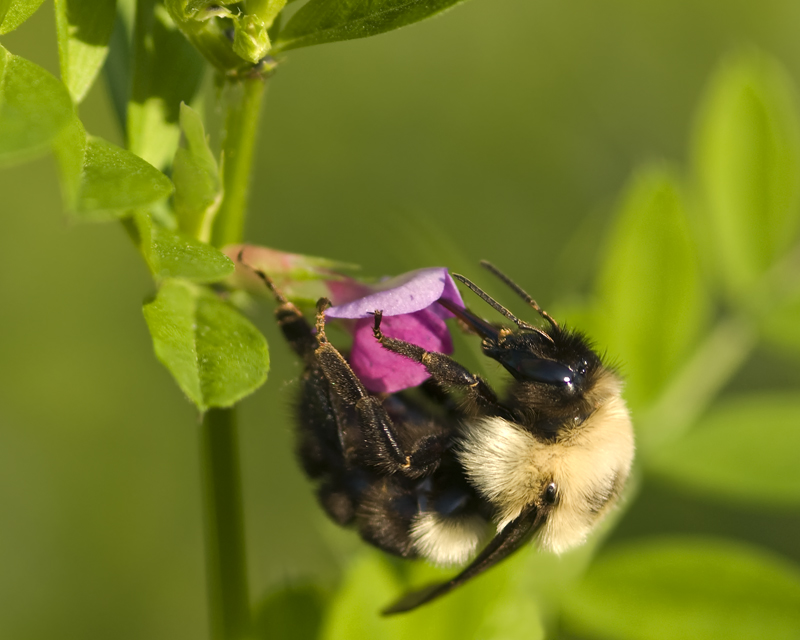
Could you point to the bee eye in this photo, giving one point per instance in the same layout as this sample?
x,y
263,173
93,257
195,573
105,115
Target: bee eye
x,y
538,369
550,493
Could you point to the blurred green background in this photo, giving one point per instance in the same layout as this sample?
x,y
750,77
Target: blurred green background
x,y
504,130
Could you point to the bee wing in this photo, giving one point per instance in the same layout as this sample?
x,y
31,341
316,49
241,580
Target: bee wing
x,y
514,535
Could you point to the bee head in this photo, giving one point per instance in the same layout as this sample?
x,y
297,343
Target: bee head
x,y
555,369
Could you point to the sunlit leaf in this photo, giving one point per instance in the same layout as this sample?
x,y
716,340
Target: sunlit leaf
x,y
747,157
687,588
83,30
198,186
111,182
172,254
369,584
214,353
17,12
167,70
651,304
321,21
34,108
723,458
498,604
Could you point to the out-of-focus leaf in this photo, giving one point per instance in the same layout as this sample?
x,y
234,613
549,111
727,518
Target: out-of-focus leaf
x,y
34,108
321,21
171,254
83,30
369,584
198,186
214,353
167,70
687,588
293,612
723,457
17,12
498,604
747,156
651,301
781,326
112,181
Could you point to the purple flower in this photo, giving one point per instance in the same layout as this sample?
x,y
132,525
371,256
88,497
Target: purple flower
x,y
410,313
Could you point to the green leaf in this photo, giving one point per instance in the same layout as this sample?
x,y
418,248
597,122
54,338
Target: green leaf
x,y
687,588
321,21
498,604
111,181
214,353
369,584
167,70
198,185
651,304
747,157
171,254
83,29
293,612
723,458
17,12
34,108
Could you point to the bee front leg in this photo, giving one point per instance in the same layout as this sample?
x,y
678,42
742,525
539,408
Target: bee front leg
x,y
443,369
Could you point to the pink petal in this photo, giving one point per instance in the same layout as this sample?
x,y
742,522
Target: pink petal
x,y
383,371
403,294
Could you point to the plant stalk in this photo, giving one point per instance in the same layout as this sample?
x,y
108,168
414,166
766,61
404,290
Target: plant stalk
x,y
241,125
226,568
228,593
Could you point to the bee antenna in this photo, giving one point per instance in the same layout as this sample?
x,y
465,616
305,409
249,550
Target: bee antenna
x,y
497,306
519,291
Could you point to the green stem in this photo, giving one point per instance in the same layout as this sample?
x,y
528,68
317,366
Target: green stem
x,y
241,124
228,595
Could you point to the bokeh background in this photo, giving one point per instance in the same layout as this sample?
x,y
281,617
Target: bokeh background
x,y
505,130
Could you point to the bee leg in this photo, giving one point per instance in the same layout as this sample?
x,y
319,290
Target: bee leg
x,y
443,369
295,327
413,456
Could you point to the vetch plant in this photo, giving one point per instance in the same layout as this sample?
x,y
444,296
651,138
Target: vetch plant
x,y
700,269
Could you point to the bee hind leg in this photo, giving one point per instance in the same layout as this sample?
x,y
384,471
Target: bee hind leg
x,y
410,453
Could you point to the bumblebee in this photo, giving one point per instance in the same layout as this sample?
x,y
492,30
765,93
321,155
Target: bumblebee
x,y
433,474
